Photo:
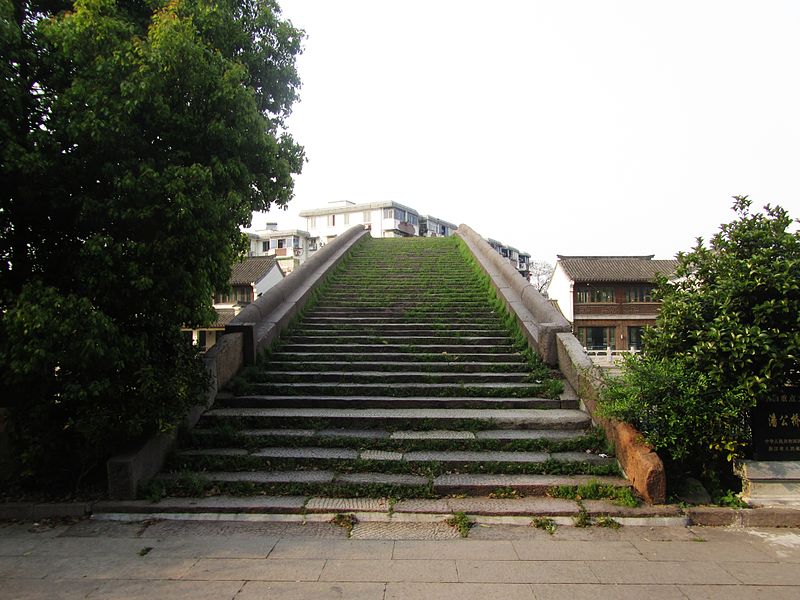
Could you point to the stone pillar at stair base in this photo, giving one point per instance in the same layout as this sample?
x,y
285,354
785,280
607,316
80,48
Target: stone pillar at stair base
x,y
770,482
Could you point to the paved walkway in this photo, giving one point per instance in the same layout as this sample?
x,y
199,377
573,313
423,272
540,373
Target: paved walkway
x,y
248,561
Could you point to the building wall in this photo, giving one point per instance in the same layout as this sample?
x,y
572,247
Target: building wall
x,y
272,278
560,289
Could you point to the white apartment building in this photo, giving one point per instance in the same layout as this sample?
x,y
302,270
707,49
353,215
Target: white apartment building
x,y
290,247
384,219
434,227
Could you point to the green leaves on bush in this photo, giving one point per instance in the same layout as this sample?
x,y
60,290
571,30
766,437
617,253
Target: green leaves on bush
x,y
728,336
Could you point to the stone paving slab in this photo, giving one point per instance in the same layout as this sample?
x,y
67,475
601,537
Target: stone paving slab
x,y
228,569
458,482
387,478
380,455
629,572
727,592
214,452
588,457
467,457
300,548
346,505
461,549
224,504
520,571
457,591
270,476
303,590
566,550
599,592
438,434
404,531
308,453
389,570
150,590
422,505
510,507
606,507
522,434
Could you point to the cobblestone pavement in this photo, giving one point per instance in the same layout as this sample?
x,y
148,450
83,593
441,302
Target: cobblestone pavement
x,y
263,560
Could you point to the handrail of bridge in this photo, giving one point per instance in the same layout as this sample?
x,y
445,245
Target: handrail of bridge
x,y
249,333
538,319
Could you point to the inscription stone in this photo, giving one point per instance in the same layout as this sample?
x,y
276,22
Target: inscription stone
x,y
776,427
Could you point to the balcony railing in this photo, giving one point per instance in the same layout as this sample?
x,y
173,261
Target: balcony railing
x,y
609,357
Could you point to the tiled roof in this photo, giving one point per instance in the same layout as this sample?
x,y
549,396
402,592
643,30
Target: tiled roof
x,y
224,316
251,270
615,268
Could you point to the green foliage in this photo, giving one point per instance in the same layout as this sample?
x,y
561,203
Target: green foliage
x,y
594,490
461,522
728,335
545,524
137,137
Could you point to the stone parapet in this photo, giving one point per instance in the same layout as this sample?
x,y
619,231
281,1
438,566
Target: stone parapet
x,y
250,332
641,464
538,319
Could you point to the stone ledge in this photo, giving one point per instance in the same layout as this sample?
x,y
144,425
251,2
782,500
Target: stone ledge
x,y
641,464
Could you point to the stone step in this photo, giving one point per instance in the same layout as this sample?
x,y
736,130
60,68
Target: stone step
x,y
389,377
479,509
406,418
427,438
327,329
373,321
325,458
471,390
369,356
472,484
395,303
338,349
395,366
348,401
421,340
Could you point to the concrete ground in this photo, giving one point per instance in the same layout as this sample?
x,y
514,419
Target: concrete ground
x,y
154,560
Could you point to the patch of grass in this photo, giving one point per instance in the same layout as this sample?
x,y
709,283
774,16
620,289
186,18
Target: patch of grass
x,y
606,521
345,521
582,519
505,493
145,551
461,522
594,490
731,499
155,491
545,524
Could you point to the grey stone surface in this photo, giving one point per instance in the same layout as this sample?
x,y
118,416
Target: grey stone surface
x,y
457,549
457,591
304,548
270,476
347,505
214,452
389,570
240,569
454,456
589,457
522,434
388,478
519,571
534,506
440,506
438,434
308,453
380,455
278,432
520,480
226,504
404,531
305,590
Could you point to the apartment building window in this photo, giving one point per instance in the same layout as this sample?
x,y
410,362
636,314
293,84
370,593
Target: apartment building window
x,y
413,219
388,213
281,243
295,242
594,295
597,338
642,293
264,246
312,222
367,217
346,218
635,337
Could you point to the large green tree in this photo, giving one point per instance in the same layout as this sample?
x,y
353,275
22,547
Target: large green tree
x,y
137,136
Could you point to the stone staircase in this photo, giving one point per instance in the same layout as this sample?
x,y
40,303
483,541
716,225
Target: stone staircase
x,y
404,380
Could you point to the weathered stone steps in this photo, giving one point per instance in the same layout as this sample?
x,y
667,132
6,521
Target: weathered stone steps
x,y
430,418
387,377
337,349
440,367
364,401
394,340
430,357
493,390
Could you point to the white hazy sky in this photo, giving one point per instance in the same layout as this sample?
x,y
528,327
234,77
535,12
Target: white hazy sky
x,y
569,127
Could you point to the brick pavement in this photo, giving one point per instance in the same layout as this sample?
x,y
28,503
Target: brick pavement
x,y
263,560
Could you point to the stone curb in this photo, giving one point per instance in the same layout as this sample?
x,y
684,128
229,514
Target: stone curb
x,y
649,515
